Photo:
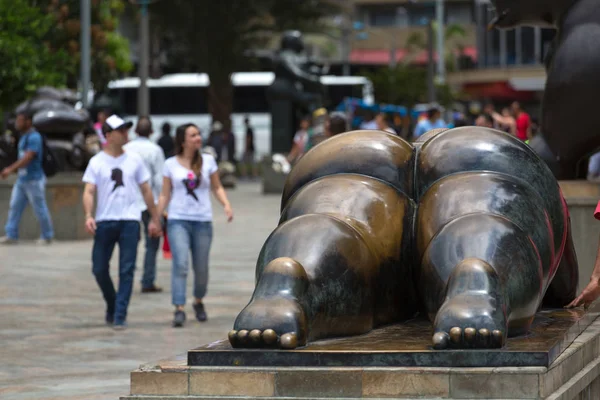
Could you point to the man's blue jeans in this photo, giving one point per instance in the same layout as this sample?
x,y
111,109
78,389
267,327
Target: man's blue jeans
x,y
152,245
108,234
186,236
34,193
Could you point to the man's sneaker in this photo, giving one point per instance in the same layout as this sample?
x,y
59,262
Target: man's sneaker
x,y
152,289
7,240
43,242
200,312
120,326
179,319
110,319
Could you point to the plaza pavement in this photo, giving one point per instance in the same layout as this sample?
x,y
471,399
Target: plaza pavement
x,y
53,340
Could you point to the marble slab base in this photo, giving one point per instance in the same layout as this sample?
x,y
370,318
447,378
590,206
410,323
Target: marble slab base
x,y
574,375
409,345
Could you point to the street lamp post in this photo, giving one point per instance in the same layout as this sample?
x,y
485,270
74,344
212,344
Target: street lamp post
x,y
441,46
85,70
143,104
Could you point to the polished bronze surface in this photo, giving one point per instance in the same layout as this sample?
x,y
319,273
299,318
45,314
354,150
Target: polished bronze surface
x,y
378,154
468,227
409,344
569,91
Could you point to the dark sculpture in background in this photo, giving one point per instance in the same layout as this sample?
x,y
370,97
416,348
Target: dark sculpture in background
x,y
296,90
467,226
64,126
570,118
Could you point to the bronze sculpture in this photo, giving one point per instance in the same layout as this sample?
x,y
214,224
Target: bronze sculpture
x,y
468,226
573,81
297,89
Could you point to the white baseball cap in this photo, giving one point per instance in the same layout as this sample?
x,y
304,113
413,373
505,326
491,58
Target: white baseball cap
x,y
114,122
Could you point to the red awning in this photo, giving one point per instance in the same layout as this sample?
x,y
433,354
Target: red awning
x,y
497,91
382,57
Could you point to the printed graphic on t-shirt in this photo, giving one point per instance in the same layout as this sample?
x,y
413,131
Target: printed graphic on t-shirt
x,y
191,183
117,176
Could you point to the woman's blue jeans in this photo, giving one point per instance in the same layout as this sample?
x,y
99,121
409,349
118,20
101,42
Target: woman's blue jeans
x,y
186,237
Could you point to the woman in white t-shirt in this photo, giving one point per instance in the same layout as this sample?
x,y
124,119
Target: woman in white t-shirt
x,y
189,177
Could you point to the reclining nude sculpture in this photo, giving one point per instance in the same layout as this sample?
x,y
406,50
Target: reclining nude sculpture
x,y
467,226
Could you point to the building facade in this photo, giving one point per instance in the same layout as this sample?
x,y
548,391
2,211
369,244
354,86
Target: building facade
x,y
500,65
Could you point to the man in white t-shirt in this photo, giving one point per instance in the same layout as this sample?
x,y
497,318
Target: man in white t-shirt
x,y
154,160
116,177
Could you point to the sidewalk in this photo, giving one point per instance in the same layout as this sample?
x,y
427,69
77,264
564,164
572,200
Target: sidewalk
x,y
54,343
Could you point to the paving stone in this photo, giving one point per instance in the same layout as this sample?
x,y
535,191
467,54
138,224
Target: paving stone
x,y
55,343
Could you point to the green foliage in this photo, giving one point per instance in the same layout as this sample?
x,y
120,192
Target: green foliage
x,y
118,46
109,52
405,85
453,33
25,61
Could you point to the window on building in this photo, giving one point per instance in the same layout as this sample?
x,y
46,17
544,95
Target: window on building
x,y
459,13
419,14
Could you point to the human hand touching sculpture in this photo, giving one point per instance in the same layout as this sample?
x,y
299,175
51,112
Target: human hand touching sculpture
x,y
592,291
477,232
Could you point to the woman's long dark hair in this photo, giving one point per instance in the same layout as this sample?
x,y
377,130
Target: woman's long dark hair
x,y
180,139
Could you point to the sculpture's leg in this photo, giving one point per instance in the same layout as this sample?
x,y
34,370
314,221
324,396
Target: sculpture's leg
x,y
481,282
563,288
316,278
275,316
474,313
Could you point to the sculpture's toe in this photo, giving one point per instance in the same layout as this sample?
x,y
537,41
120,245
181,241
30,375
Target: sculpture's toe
x,y
497,338
270,323
242,337
456,335
232,336
470,336
471,321
440,340
289,341
269,337
255,337
484,338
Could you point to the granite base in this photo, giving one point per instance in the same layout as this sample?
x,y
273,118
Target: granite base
x,y
409,345
574,374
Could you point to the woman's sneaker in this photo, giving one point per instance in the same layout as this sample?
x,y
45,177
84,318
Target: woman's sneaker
x,y
179,319
200,312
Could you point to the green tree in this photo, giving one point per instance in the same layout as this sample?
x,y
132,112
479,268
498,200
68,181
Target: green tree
x,y
109,51
405,85
453,34
215,35
26,62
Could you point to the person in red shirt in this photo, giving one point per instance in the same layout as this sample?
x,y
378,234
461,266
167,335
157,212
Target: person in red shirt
x,y
592,290
523,121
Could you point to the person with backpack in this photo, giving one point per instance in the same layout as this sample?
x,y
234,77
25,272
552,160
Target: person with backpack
x,y
30,186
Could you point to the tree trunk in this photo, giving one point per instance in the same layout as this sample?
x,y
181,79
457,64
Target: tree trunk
x,y
220,101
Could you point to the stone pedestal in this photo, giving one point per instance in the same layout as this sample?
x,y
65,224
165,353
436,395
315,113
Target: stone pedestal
x,y
63,194
572,373
273,181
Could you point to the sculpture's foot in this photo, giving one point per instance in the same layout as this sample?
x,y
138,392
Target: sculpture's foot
x,y
473,315
274,318
274,322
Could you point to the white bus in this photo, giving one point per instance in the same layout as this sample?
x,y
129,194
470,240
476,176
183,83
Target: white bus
x,y
182,98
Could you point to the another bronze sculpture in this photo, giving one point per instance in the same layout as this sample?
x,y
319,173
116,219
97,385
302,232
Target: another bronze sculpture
x,y
573,80
467,226
297,89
